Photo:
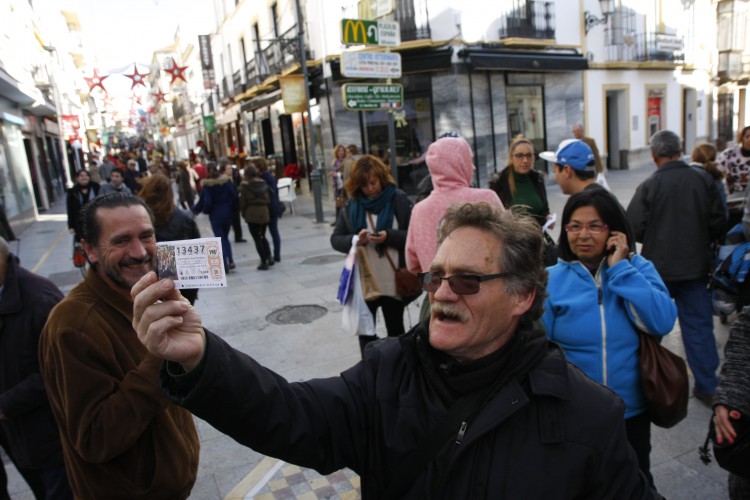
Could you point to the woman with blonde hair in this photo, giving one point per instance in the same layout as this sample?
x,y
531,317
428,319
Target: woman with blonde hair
x,y
378,213
170,222
519,185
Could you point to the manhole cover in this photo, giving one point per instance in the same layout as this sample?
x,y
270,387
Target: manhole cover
x,y
324,259
296,314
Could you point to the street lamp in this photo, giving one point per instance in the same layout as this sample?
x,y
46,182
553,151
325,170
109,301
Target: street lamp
x,y
58,110
607,7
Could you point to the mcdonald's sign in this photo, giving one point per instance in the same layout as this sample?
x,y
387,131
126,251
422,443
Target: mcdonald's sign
x,y
359,31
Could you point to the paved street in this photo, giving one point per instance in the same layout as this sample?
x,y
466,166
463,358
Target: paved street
x,y
316,346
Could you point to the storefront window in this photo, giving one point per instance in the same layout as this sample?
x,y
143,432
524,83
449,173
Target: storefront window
x,y
15,184
414,131
525,106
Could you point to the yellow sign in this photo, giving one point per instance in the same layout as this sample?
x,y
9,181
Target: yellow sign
x,y
293,93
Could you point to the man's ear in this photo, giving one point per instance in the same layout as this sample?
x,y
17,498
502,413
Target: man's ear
x,y
522,302
91,253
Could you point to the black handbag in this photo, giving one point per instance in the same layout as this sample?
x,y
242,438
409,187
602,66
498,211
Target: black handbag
x,y
551,251
734,457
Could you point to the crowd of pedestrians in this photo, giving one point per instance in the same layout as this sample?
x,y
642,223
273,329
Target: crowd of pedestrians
x,y
509,353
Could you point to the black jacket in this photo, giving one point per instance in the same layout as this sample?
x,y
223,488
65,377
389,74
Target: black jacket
x,y
502,188
557,435
76,200
676,213
341,239
30,433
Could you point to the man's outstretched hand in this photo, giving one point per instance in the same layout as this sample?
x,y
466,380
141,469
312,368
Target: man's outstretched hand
x,y
166,323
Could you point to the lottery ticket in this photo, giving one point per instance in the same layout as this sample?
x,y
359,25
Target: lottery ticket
x,y
196,263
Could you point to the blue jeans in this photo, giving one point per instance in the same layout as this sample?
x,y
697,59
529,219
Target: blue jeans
x,y
697,324
221,230
273,228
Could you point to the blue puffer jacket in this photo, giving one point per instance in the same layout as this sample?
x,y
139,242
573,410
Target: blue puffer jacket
x,y
593,319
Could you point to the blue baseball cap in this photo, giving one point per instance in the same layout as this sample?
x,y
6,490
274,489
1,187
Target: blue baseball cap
x,y
573,152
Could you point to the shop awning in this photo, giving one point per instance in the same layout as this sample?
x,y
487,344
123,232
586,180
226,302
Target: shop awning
x,y
489,59
260,101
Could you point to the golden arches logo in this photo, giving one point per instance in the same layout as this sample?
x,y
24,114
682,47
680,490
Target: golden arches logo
x,y
351,28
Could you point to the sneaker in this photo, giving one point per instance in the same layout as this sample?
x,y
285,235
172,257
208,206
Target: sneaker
x,y
263,267
706,399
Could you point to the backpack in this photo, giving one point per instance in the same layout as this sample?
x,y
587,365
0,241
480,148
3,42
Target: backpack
x,y
732,266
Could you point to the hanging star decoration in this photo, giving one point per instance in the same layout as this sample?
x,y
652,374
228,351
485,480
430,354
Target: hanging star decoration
x,y
159,96
177,72
96,81
137,77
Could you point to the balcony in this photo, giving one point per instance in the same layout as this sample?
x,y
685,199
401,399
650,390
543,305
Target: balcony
x,y
528,19
251,74
238,86
644,47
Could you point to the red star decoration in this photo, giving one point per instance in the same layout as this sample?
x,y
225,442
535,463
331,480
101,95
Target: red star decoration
x,y
96,81
177,72
137,77
160,96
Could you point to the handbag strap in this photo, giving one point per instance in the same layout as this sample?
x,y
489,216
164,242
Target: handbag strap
x,y
390,261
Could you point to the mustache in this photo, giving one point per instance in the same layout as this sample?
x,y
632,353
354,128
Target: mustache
x,y
449,311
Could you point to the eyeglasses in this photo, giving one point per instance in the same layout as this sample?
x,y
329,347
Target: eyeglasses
x,y
521,156
462,284
593,228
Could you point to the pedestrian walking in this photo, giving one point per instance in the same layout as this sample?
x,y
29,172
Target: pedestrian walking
x,y
275,208
81,193
254,207
219,201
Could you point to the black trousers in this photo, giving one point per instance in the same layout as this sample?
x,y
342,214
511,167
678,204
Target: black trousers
x,y
393,312
258,232
638,429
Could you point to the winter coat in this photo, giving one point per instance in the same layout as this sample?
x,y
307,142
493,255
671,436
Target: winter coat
x,y
676,213
593,319
273,190
502,188
451,185
733,390
29,429
121,437
218,199
555,434
341,239
254,201
76,199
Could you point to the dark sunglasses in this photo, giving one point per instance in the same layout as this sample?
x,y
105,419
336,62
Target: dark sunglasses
x,y
461,284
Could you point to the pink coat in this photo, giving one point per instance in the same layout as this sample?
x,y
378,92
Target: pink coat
x,y
449,161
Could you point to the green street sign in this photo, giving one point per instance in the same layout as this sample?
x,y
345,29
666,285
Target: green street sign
x,y
359,31
209,122
364,96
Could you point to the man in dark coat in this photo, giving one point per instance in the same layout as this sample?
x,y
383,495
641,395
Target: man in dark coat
x,y
677,213
28,431
524,423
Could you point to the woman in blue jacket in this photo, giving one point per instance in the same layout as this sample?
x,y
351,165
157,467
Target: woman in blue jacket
x,y
598,292
218,200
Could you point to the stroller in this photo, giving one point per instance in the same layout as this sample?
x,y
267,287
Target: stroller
x,y
731,267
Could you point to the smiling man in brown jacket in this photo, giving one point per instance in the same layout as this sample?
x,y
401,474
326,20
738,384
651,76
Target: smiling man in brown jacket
x,y
121,437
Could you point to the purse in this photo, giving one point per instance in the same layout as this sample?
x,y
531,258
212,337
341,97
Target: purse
x,y
79,256
408,286
734,457
370,285
664,380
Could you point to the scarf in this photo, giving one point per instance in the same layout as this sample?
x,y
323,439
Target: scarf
x,y
382,205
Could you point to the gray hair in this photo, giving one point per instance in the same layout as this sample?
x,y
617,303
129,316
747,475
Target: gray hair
x,y
666,144
522,249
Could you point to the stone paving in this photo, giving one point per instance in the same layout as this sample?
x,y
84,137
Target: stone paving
x,y
247,313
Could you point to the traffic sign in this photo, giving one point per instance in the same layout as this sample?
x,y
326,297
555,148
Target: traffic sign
x,y
364,96
371,64
365,32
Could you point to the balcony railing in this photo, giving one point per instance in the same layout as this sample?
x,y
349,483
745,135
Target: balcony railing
x,y
281,53
528,19
239,87
251,74
225,89
645,47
